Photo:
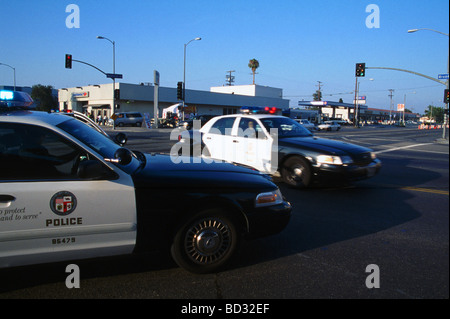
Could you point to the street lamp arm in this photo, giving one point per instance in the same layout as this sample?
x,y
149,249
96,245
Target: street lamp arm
x,y
14,69
415,30
415,73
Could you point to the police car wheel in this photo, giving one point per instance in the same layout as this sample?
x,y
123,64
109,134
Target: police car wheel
x,y
296,172
205,243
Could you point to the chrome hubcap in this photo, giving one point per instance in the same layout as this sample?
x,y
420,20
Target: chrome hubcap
x,y
207,241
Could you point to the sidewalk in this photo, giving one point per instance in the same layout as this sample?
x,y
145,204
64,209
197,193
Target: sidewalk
x,y
442,141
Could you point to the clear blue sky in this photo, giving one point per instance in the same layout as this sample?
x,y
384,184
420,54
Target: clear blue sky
x,y
297,44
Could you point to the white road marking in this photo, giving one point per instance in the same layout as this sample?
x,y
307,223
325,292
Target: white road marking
x,y
401,148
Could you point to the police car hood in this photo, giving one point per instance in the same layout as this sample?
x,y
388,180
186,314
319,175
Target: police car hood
x,y
187,172
322,144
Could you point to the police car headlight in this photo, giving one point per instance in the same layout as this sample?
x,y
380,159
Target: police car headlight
x,y
334,160
269,199
373,155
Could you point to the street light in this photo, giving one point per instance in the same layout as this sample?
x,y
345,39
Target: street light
x,y
184,73
14,69
114,72
446,34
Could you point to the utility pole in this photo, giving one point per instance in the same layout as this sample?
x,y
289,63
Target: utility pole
x,y
319,95
319,98
230,78
390,108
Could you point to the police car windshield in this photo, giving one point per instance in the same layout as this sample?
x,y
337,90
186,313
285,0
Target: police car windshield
x,y
286,127
95,140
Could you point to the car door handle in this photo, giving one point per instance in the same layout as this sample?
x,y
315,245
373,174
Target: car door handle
x,y
235,141
6,199
208,138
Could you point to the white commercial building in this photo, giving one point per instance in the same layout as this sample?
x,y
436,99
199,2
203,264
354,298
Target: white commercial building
x,y
98,99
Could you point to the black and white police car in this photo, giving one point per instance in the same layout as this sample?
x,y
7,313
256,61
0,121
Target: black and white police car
x,y
69,192
275,144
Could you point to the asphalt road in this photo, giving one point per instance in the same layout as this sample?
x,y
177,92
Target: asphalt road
x,y
396,223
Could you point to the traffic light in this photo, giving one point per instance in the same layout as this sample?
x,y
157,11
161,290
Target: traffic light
x,y
360,69
117,94
180,95
68,61
446,96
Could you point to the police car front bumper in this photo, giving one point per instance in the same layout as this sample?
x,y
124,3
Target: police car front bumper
x,y
349,173
269,220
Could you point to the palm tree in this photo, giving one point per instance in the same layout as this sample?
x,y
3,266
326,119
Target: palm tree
x,y
253,64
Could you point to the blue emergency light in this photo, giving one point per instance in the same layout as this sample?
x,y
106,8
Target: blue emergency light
x,y
15,100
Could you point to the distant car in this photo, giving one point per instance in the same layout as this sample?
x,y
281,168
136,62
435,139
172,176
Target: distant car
x,y
128,118
277,144
329,126
306,124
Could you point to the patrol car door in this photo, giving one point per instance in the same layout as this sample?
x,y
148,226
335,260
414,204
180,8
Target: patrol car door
x,y
219,139
253,147
47,212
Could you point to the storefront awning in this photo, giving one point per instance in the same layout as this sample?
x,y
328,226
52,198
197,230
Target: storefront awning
x,y
98,106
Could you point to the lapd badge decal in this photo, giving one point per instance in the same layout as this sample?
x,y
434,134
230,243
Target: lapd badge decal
x,y
63,203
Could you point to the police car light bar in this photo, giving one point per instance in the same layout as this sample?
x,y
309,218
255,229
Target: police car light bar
x,y
259,110
15,100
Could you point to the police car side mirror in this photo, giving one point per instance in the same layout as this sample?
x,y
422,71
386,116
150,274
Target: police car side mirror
x,y
121,139
122,156
93,169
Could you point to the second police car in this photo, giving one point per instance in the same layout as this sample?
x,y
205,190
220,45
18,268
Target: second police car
x,y
69,192
275,144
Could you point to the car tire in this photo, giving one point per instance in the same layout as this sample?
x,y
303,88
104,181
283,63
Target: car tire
x,y
205,243
296,172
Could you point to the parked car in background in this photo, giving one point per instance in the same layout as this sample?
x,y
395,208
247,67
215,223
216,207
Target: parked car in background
x,y
128,118
306,124
329,126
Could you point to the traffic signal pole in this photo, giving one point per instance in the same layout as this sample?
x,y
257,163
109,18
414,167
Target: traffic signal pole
x,y
360,71
356,103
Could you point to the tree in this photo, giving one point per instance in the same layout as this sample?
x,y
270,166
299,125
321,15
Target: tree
x,y
253,64
317,96
436,113
43,97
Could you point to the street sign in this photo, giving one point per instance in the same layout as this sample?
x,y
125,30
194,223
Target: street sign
x,y
443,76
401,107
156,77
114,76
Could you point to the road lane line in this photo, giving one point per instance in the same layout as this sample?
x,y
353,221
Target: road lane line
x,y
401,148
425,190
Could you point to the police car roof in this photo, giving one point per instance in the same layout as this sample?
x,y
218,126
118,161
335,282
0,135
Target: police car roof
x,y
258,116
33,117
